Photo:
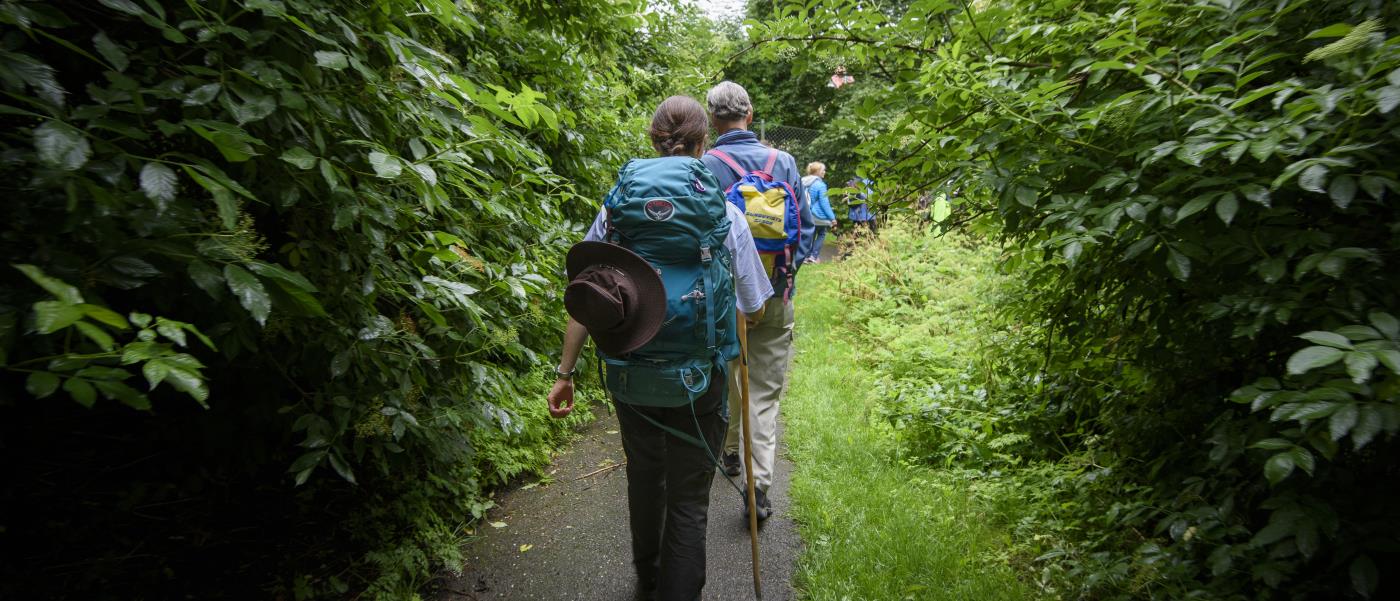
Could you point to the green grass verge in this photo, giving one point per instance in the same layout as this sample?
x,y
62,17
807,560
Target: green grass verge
x,y
876,528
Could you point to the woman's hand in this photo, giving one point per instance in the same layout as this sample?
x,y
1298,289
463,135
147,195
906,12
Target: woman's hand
x,y
561,398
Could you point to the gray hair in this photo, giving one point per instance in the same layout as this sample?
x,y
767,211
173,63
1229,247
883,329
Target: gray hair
x,y
728,101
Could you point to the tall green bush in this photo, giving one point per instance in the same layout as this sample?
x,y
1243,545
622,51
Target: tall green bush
x,y
296,262
1199,198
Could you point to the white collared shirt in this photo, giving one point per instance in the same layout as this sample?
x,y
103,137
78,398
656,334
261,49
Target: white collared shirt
x,y
751,283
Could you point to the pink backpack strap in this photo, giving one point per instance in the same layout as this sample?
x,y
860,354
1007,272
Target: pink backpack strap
x,y
796,207
772,160
728,160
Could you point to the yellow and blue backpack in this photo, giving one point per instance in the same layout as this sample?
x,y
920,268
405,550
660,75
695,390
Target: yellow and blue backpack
x,y
771,209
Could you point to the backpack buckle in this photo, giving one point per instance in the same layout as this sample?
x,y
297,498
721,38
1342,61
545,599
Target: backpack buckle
x,y
705,254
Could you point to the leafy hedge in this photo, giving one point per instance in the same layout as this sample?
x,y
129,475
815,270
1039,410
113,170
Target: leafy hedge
x,y
265,244
1199,197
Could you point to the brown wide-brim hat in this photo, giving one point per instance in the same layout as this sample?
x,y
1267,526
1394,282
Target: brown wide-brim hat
x,y
616,294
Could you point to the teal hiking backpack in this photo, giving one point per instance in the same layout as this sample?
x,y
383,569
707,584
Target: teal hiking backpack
x,y
669,210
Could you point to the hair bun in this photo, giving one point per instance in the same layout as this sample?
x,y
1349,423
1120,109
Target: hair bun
x,y
679,126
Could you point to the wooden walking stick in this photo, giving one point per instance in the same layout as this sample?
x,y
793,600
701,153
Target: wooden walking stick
x,y
748,449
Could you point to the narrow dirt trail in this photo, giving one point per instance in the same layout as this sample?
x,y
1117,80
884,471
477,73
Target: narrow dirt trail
x,y
578,541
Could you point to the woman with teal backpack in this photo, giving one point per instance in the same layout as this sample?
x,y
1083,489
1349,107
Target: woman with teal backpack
x,y
655,283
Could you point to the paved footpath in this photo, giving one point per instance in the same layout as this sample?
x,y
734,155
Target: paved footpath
x,y
569,540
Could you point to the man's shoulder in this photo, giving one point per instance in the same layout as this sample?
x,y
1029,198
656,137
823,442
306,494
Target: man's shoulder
x,y
758,154
786,159
731,148
718,167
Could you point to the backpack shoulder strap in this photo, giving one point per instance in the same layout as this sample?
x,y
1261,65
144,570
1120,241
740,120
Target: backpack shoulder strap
x,y
772,160
728,160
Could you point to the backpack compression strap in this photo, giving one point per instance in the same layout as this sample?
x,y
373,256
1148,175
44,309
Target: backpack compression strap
x,y
705,258
610,234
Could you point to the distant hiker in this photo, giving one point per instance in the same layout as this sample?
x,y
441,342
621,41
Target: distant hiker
x,y
777,212
655,283
822,216
859,212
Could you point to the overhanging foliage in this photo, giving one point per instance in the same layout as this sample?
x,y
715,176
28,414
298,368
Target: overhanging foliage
x,y
336,225
1201,198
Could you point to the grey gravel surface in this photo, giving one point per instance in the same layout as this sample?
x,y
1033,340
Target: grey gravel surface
x,y
569,540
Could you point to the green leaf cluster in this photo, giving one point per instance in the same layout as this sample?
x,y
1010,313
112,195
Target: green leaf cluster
x,y
1199,199
357,208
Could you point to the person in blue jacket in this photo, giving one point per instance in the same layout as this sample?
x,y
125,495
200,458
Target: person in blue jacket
x,y
860,213
822,215
770,339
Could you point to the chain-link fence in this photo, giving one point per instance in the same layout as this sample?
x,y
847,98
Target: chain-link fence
x,y
779,135
797,141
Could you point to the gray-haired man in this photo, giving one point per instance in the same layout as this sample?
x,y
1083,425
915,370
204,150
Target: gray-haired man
x,y
770,339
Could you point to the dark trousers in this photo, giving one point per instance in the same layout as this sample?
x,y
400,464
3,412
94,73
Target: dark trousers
x,y
668,491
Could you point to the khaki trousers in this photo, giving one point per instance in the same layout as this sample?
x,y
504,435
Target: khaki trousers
x,y
770,354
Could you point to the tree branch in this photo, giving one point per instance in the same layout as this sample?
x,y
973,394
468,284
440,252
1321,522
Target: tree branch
x,y
950,226
859,40
1172,78
929,138
973,22
828,38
